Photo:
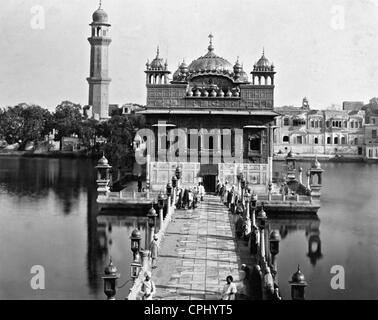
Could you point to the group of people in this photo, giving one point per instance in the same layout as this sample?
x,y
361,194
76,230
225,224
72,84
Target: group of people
x,y
229,291
188,198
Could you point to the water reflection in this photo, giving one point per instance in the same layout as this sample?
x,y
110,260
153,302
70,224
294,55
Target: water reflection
x,y
309,225
109,237
34,178
52,204
50,218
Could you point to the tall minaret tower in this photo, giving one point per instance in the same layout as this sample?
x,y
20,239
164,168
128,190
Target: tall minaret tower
x,y
99,78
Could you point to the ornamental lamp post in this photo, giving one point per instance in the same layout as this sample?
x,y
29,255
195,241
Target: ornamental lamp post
x,y
261,218
274,242
135,243
161,200
254,199
151,216
135,268
243,182
169,189
298,284
174,181
178,172
110,280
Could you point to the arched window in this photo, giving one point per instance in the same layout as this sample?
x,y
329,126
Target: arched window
x,y
286,122
328,140
316,140
286,139
335,140
343,140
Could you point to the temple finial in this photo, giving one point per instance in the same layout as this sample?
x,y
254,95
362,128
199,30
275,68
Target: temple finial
x,y
211,48
100,2
263,51
157,52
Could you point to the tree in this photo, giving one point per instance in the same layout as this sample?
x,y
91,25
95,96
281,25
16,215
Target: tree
x,y
25,123
119,131
67,119
89,129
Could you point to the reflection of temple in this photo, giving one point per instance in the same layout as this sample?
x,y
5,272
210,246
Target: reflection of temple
x,y
309,224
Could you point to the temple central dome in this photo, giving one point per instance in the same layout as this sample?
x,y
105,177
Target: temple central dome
x,y
210,62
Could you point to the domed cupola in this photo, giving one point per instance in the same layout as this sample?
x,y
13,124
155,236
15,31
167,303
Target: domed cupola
x,y
157,71
237,67
100,17
263,64
210,63
263,72
181,73
158,63
240,75
184,67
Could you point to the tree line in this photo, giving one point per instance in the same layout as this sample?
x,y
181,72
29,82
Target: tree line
x,y
26,123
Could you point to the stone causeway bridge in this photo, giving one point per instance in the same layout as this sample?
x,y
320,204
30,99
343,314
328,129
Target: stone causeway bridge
x,y
199,247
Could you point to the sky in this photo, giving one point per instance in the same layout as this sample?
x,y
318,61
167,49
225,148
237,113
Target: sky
x,y
326,50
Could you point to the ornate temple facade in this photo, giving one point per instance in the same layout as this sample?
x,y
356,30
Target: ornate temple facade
x,y
212,119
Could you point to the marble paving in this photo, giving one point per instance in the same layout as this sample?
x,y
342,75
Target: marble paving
x,y
202,253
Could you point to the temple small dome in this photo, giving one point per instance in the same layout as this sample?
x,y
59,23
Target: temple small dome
x,y
183,67
263,64
158,63
103,161
100,16
181,73
237,67
242,77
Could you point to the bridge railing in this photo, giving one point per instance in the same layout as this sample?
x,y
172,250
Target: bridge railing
x,y
133,195
281,197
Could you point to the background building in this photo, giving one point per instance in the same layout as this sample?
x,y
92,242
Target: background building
x,y
328,132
